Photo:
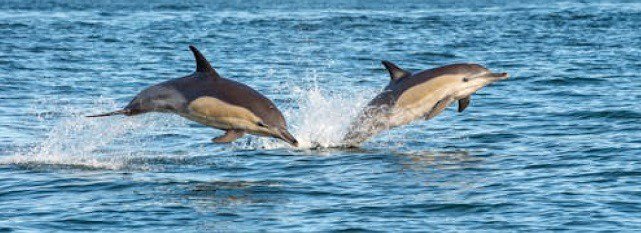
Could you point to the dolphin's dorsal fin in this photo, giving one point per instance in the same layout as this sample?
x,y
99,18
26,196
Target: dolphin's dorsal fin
x,y
394,71
202,65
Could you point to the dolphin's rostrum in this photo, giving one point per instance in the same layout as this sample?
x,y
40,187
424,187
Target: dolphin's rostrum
x,y
207,98
422,95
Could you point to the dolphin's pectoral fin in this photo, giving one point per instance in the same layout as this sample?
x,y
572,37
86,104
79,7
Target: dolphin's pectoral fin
x,y
438,108
463,103
229,136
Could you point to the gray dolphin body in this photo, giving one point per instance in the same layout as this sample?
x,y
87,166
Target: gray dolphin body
x,y
421,95
207,98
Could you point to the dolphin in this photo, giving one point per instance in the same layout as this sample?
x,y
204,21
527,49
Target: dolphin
x,y
422,95
209,99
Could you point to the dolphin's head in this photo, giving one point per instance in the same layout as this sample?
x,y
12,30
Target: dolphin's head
x,y
282,133
472,83
157,98
274,125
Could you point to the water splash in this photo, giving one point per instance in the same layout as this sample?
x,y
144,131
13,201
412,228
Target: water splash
x,y
319,119
73,142
78,141
323,119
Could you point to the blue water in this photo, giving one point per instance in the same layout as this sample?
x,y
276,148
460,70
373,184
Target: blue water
x,y
555,147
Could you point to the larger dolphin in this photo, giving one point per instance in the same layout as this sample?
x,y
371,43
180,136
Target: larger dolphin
x,y
421,95
207,98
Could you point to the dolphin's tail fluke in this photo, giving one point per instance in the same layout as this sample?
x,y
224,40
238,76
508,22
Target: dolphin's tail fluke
x,y
119,112
289,138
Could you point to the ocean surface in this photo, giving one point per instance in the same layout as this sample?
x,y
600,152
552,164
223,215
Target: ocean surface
x,y
554,148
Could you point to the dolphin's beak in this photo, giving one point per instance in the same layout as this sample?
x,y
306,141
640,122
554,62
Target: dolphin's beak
x,y
119,112
496,76
289,138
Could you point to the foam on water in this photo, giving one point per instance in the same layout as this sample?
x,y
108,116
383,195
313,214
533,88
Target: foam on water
x,y
77,141
74,142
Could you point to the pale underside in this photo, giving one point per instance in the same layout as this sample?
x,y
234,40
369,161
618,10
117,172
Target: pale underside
x,y
425,100
216,113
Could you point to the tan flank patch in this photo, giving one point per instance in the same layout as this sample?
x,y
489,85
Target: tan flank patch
x,y
220,112
430,91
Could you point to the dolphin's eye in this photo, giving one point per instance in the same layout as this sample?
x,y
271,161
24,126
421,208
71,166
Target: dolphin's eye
x,y
261,124
466,80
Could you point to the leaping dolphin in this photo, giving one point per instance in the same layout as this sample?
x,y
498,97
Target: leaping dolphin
x,y
422,95
208,98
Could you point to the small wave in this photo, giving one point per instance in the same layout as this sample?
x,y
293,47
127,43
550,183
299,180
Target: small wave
x,y
572,15
173,7
472,207
111,40
62,161
569,81
432,55
430,18
307,26
94,24
565,16
13,25
606,114
111,14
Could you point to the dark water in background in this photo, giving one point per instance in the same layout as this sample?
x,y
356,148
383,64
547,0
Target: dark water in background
x,y
556,147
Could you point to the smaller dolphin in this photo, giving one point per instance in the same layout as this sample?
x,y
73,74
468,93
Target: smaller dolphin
x,y
207,98
421,95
